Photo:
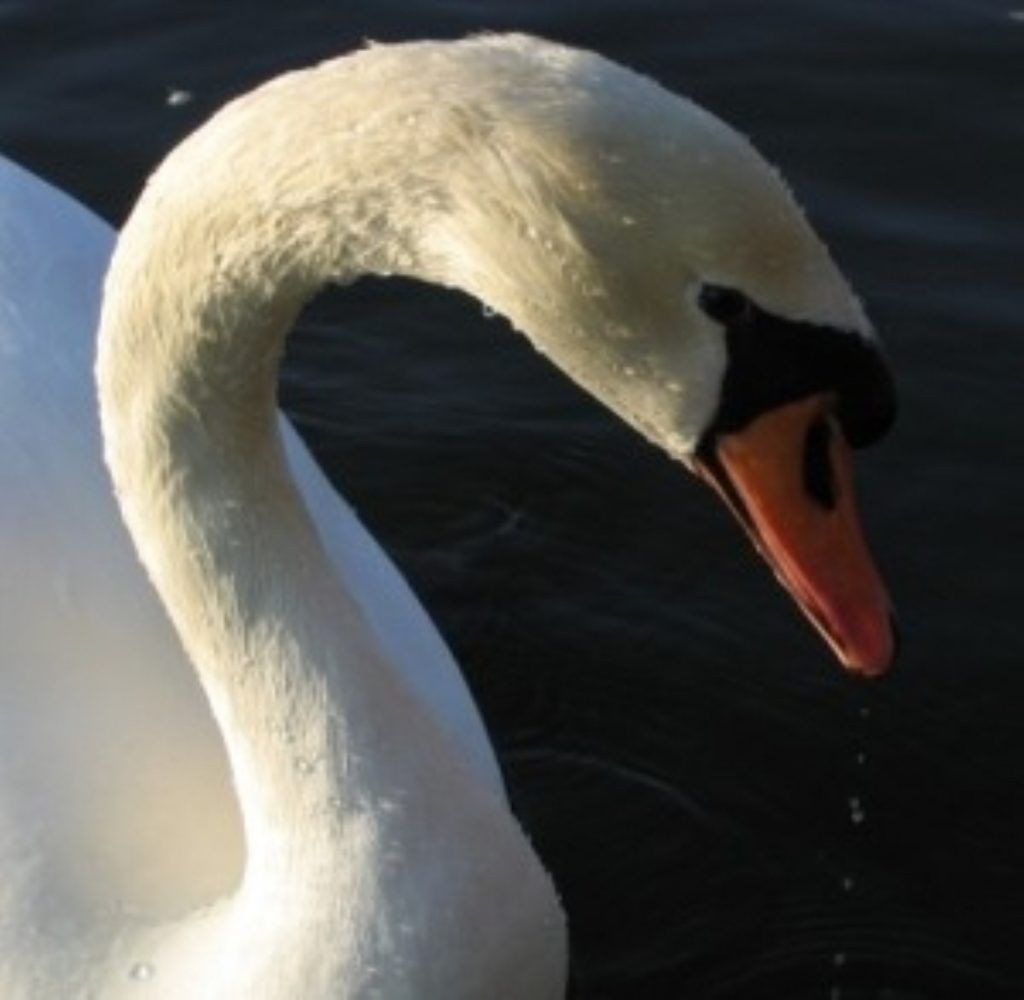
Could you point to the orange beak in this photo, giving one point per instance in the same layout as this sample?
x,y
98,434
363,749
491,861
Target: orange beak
x,y
788,478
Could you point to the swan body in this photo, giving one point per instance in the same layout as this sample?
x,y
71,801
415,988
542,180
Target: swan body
x,y
258,773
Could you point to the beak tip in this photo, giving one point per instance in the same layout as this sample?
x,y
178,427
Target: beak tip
x,y
879,657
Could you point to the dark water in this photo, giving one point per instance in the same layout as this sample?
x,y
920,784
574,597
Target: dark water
x,y
690,763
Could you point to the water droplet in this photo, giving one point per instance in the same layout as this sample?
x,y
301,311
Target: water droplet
x,y
176,97
835,993
862,758
674,387
839,959
142,971
848,883
303,766
488,312
857,813
629,371
865,712
628,220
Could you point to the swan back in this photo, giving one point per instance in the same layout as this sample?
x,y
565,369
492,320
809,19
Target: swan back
x,y
108,746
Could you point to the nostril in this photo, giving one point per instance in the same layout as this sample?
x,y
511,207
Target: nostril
x,y
819,479
726,305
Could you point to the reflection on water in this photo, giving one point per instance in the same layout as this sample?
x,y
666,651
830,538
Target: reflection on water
x,y
726,814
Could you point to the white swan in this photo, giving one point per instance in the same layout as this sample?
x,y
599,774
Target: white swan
x,y
354,839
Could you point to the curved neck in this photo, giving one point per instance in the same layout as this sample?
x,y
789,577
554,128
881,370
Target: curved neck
x,y
202,290
357,806
359,812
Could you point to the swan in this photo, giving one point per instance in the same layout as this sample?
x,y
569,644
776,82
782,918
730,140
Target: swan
x,y
321,815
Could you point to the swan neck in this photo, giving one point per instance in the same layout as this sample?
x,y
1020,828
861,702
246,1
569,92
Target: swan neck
x,y
204,285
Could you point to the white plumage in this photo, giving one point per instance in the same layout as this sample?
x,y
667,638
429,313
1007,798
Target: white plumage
x,y
320,813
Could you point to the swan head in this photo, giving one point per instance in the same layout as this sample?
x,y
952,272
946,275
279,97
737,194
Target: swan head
x,y
652,254
640,243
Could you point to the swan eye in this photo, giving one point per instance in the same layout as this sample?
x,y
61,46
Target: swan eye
x,y
725,305
819,481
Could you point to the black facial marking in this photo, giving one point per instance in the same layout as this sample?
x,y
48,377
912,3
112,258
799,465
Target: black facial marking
x,y
819,480
773,361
